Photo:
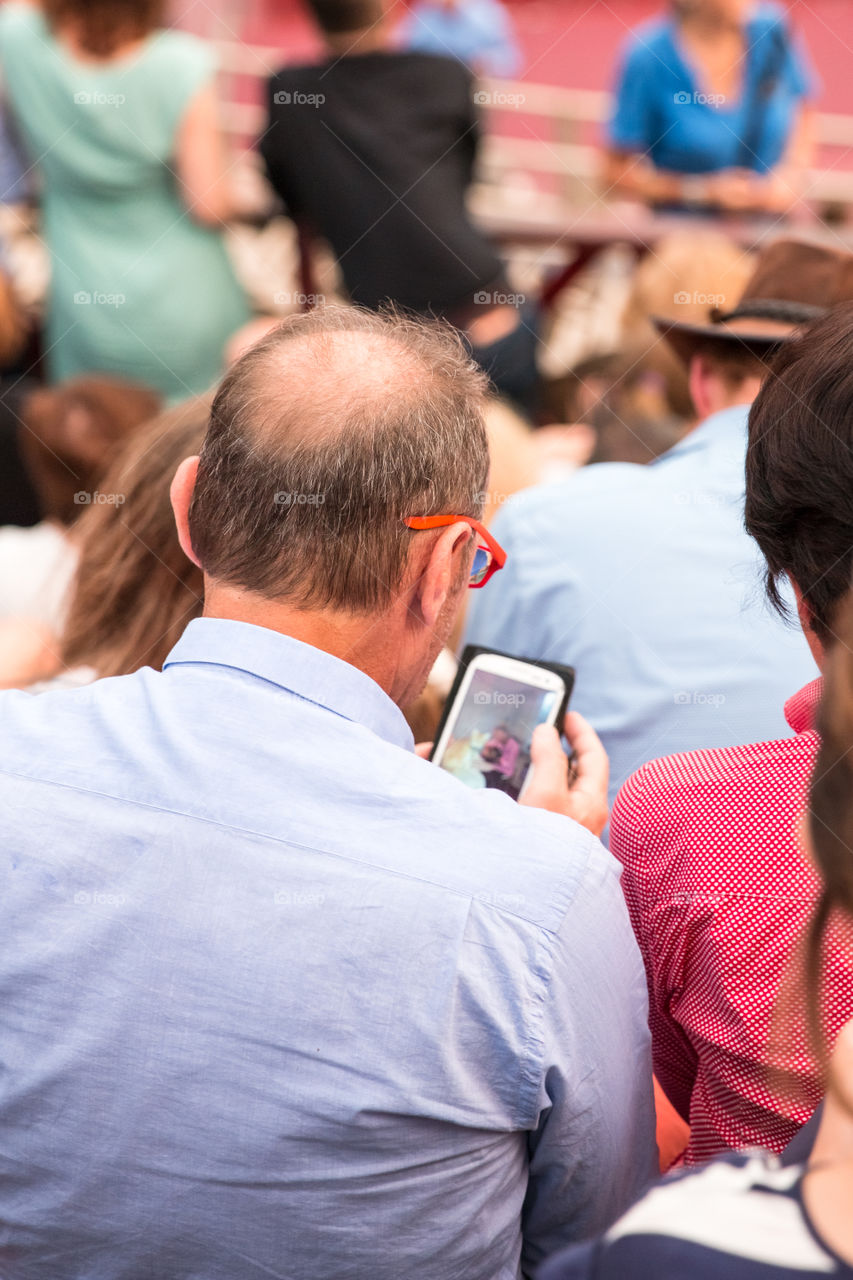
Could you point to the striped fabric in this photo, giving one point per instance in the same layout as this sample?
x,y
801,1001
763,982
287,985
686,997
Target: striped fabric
x,y
740,1218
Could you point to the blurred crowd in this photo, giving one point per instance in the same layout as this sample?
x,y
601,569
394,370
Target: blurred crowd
x,y
279,996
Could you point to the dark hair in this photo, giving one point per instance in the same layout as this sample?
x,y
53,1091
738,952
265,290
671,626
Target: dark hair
x,y
733,362
338,17
831,813
134,590
104,25
322,439
799,467
69,434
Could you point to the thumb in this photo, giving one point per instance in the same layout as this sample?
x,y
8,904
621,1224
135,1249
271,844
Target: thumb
x,y
549,778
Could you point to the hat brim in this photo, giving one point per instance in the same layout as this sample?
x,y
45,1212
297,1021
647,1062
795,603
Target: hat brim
x,y
686,339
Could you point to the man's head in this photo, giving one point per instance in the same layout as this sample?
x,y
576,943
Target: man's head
x,y
799,471
322,439
793,283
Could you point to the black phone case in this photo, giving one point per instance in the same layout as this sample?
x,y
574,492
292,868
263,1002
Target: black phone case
x,y
471,651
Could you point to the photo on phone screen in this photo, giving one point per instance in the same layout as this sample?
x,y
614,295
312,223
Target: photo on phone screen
x,y
485,739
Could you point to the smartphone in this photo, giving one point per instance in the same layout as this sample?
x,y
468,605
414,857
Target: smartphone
x,y
494,706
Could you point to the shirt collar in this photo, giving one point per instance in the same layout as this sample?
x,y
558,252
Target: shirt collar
x,y
310,673
728,424
801,709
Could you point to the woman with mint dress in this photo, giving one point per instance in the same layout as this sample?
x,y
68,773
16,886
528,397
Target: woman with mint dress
x,y
121,127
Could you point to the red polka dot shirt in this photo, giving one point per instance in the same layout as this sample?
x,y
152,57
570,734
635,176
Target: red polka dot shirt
x,y
719,891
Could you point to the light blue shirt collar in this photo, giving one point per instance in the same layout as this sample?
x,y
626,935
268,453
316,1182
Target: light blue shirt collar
x,y
300,668
726,425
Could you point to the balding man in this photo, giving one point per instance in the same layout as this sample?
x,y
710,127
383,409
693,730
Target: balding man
x,y
280,998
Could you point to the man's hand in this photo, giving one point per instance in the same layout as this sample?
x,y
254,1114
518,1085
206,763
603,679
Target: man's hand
x,y
584,795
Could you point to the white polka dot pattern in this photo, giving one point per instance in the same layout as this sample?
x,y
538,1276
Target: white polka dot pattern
x,y
719,891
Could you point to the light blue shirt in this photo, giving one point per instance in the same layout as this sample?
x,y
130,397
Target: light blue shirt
x,y
476,32
645,581
279,998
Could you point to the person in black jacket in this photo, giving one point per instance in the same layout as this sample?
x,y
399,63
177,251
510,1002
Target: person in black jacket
x,y
374,150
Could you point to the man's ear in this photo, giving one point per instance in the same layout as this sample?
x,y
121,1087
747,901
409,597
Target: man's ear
x,y
181,494
442,571
697,378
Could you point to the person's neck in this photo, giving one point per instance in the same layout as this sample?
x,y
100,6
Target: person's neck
x,y
369,642
375,39
704,27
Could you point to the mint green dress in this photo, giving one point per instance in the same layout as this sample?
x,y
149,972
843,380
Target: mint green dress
x,y
137,289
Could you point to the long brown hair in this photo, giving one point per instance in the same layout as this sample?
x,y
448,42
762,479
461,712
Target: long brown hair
x,y
135,590
831,817
102,26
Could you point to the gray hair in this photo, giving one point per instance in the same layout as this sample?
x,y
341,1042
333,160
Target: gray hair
x,y
322,438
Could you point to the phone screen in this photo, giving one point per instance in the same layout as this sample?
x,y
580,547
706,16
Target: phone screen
x,y
486,743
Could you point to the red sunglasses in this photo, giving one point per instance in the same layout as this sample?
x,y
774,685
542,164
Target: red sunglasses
x,y
489,556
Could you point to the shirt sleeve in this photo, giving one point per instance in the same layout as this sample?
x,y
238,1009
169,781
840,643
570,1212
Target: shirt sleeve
x,y
632,122
592,1153
800,75
634,829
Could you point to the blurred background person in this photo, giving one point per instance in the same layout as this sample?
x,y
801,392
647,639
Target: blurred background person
x,y
716,884
134,590
374,150
642,577
68,436
743,1216
713,110
119,117
124,590
477,32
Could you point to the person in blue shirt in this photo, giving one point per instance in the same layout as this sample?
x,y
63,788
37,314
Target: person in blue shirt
x,y
643,578
476,32
712,110
278,996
